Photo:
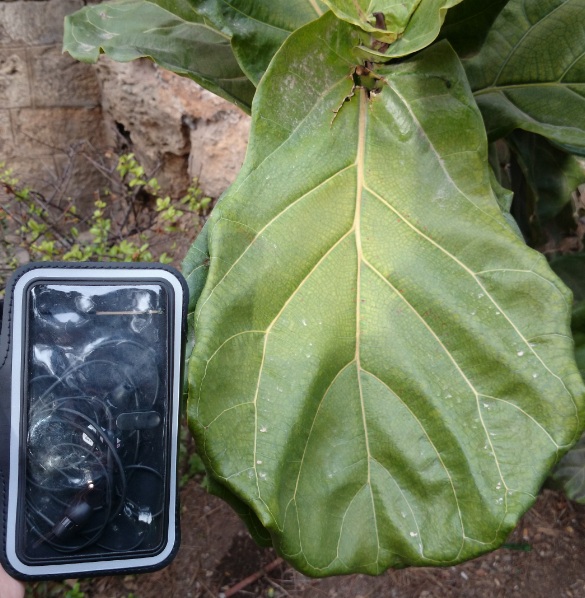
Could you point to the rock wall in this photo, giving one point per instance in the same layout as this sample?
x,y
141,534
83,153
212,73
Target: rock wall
x,y
53,109
49,103
176,128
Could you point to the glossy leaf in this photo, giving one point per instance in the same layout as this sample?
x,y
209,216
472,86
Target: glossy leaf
x,y
578,328
258,27
551,174
467,24
504,198
570,472
195,267
371,329
530,72
571,269
167,31
407,26
569,475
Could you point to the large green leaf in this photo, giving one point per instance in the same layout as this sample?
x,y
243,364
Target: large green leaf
x,y
530,73
383,370
258,27
406,26
467,24
168,31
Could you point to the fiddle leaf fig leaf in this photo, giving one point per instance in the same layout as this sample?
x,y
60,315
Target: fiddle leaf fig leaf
x,y
578,328
467,24
571,269
551,174
169,32
194,267
371,328
569,474
398,28
246,514
258,28
530,72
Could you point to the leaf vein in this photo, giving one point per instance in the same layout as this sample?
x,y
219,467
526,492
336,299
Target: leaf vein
x,y
487,294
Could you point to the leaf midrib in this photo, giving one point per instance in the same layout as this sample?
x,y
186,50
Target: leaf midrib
x,y
360,188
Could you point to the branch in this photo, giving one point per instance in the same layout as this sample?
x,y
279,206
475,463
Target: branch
x,y
252,578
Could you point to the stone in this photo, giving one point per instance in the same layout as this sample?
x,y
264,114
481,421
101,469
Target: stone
x,y
50,113
49,103
14,82
173,125
34,23
6,139
45,131
218,147
59,80
36,173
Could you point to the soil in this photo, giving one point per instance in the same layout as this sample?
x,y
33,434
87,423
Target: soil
x,y
544,558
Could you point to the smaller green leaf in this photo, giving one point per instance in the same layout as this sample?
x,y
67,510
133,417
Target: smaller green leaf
x,y
257,29
551,174
504,197
170,33
397,28
578,328
571,269
530,72
467,24
569,474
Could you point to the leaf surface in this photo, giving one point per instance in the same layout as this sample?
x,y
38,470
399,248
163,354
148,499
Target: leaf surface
x,y
530,72
407,26
569,474
170,33
550,173
467,24
371,329
258,27
571,269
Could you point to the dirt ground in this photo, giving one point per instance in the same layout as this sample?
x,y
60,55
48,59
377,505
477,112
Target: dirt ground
x,y
544,558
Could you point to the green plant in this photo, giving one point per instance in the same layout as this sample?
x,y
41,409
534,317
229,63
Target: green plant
x,y
384,371
75,591
190,463
119,228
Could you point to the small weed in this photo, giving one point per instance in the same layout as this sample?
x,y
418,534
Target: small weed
x,y
119,228
75,591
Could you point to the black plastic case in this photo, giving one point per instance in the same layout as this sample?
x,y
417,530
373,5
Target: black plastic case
x,y
90,385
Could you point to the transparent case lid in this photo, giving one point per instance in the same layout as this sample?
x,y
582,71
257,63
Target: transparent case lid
x,y
96,400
